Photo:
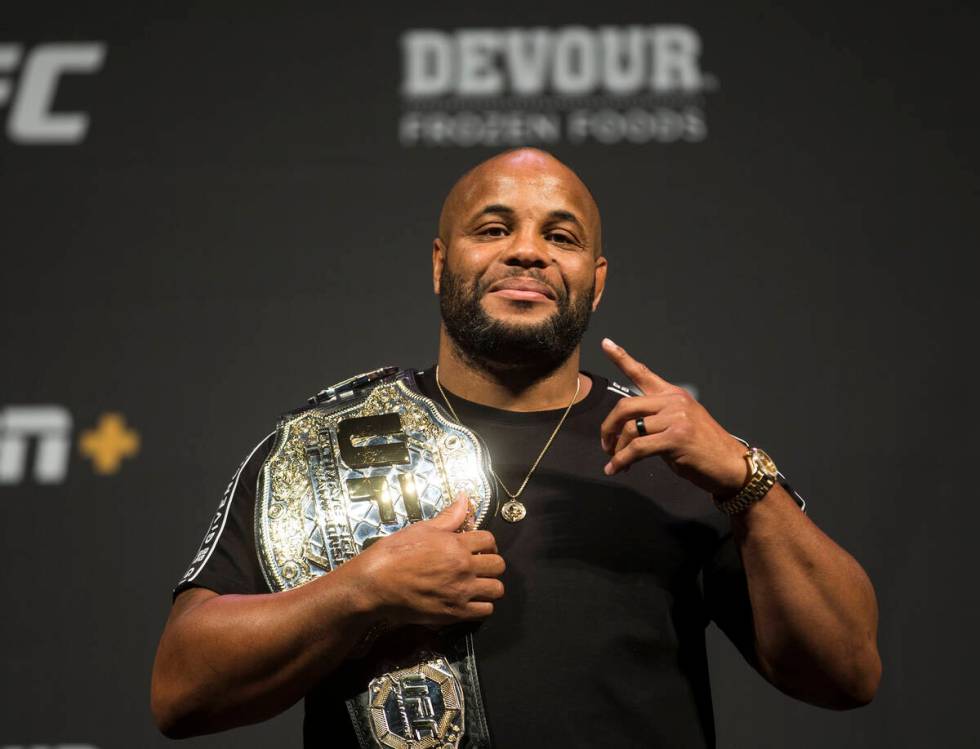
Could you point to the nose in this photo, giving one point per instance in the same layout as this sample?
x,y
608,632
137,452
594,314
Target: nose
x,y
527,250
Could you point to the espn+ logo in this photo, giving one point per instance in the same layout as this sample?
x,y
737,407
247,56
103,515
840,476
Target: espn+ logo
x,y
46,432
29,82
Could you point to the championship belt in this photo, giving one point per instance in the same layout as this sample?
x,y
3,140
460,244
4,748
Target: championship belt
x,y
371,455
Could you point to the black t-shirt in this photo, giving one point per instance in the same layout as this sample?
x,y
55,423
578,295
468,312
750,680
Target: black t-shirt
x,y
610,583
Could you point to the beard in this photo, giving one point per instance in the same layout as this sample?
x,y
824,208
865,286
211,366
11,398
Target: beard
x,y
531,350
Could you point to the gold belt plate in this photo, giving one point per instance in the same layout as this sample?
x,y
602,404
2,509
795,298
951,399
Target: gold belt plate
x,y
342,475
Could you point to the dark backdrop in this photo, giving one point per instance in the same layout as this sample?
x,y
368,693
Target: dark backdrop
x,y
242,220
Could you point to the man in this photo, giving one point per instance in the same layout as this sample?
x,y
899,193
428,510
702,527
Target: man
x,y
611,545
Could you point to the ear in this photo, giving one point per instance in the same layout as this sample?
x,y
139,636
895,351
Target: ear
x,y
600,280
438,261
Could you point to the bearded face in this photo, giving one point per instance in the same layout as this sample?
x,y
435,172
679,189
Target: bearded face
x,y
536,346
518,265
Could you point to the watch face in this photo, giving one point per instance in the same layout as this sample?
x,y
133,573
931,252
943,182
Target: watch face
x,y
765,463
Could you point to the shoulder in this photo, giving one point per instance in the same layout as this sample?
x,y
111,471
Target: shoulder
x,y
611,391
619,391
258,453
244,477
332,397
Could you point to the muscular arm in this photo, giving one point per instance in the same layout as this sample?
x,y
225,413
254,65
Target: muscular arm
x,y
813,606
229,660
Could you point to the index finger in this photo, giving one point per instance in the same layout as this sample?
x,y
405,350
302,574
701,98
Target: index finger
x,y
647,380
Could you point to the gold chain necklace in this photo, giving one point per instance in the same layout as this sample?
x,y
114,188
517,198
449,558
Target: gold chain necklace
x,y
514,510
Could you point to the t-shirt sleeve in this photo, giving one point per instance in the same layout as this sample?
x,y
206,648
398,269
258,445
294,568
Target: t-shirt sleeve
x,y
227,561
726,591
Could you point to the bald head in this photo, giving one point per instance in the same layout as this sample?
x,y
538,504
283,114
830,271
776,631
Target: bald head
x,y
524,166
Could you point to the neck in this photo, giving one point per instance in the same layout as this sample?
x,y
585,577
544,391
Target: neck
x,y
511,389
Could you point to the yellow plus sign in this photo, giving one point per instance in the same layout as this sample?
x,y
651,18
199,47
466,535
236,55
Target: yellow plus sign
x,y
109,443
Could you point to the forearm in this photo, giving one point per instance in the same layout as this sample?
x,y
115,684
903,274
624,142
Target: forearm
x,y
814,607
229,660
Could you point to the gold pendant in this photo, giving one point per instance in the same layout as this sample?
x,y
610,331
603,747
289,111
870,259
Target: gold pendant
x,y
513,511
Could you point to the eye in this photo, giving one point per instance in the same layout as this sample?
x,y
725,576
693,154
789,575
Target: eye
x,y
560,237
494,230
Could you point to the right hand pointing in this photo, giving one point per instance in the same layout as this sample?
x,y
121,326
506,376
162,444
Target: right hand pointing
x,y
432,574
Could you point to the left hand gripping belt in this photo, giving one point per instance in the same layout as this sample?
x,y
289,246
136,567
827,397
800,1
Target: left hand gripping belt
x,y
371,455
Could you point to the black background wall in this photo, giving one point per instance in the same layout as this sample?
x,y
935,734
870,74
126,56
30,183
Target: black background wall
x,y
246,216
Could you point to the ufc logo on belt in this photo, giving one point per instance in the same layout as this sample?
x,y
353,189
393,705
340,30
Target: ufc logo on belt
x,y
32,119
359,447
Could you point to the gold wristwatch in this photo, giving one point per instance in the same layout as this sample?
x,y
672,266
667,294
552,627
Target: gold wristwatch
x,y
762,477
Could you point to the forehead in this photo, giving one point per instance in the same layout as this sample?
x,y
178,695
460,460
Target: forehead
x,y
526,182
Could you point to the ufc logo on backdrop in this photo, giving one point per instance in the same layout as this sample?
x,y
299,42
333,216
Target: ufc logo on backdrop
x,y
30,96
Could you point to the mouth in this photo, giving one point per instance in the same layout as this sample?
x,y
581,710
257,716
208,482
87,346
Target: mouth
x,y
522,290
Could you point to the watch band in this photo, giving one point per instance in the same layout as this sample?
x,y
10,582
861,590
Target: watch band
x,y
761,480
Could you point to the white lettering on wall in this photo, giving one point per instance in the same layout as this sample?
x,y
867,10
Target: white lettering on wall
x,y
568,61
32,118
50,426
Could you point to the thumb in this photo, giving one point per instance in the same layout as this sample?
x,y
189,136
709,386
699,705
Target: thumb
x,y
454,515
